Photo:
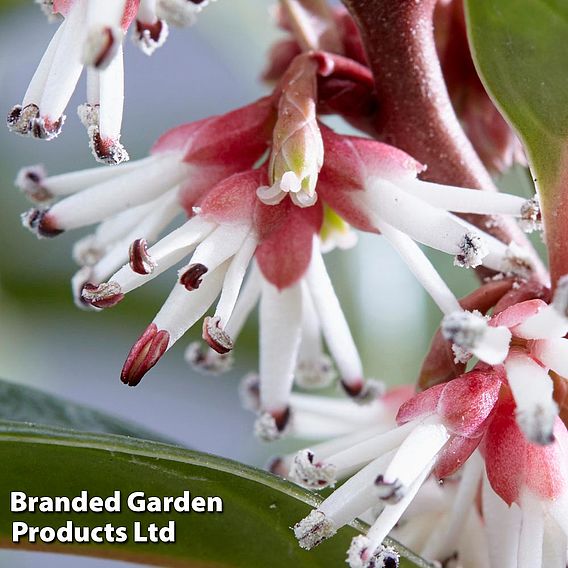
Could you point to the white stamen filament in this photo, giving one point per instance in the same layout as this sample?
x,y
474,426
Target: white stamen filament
x,y
434,227
280,327
314,368
183,309
419,449
365,451
234,279
353,497
442,544
39,79
73,182
223,242
247,300
334,325
166,252
462,200
107,198
391,513
532,532
66,66
422,268
503,528
111,82
165,210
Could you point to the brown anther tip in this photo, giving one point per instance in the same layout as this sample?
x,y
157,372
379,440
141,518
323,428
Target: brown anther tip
x,y
281,418
30,181
41,223
215,336
191,278
140,261
354,390
108,50
276,465
150,31
145,353
103,295
106,150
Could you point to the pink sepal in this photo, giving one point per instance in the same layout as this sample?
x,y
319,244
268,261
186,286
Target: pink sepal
x,y
285,253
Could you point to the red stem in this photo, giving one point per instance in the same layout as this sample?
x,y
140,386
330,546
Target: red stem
x,y
416,113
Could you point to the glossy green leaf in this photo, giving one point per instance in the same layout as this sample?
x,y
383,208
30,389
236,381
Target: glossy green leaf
x,y
519,47
253,529
20,403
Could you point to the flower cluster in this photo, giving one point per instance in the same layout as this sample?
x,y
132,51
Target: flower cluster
x,y
91,35
257,196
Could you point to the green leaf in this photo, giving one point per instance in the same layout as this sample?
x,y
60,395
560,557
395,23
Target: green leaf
x,y
252,530
19,403
519,47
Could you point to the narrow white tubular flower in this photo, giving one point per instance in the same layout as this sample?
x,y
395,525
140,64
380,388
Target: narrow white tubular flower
x,y
433,227
90,249
531,217
385,522
165,209
503,527
149,32
532,531
280,327
247,300
33,93
234,280
65,67
314,369
443,544
551,321
418,450
334,326
214,329
532,390
111,83
421,267
359,454
179,13
33,180
109,197
165,253
462,200
470,334
341,507
183,309
555,545
105,35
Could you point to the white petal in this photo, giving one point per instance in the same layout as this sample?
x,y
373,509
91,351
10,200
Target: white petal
x,y
280,328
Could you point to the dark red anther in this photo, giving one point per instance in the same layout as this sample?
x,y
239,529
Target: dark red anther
x,y
140,261
215,336
191,278
41,223
145,353
281,418
105,295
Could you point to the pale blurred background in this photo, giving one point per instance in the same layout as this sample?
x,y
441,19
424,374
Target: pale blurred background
x,y
48,343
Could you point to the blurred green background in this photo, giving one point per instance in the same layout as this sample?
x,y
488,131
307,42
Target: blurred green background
x,y
46,342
